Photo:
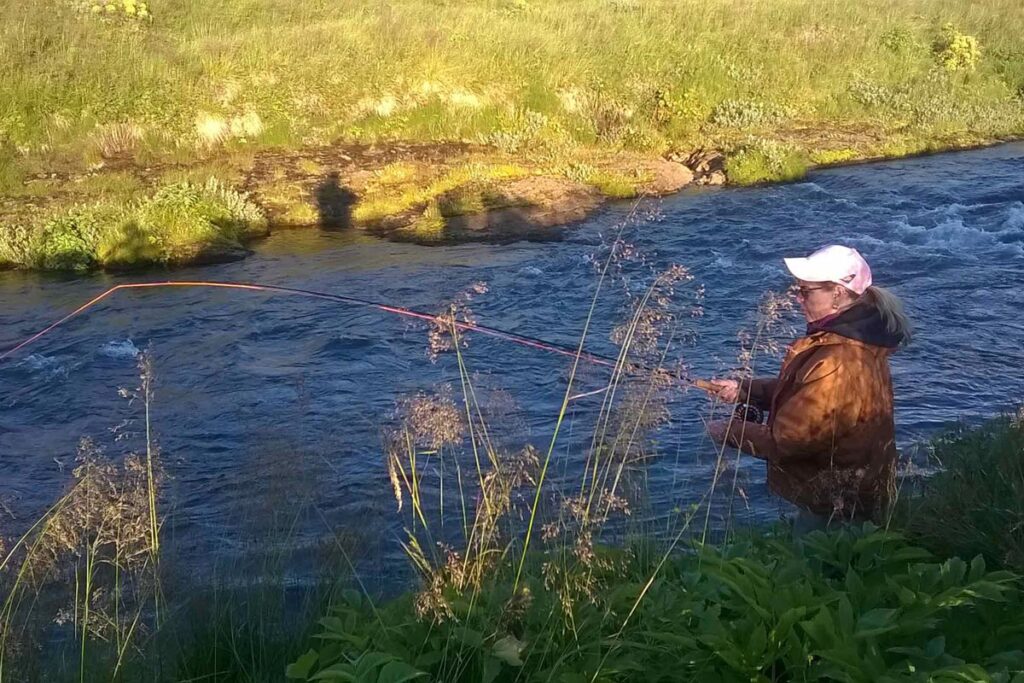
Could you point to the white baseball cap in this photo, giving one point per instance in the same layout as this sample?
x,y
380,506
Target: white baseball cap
x,y
834,263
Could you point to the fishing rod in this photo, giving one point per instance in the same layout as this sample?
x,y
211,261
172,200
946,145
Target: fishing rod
x,y
466,326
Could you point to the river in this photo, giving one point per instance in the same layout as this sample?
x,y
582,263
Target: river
x,y
269,409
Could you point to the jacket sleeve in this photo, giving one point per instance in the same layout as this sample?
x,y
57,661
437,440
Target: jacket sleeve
x,y
807,423
758,392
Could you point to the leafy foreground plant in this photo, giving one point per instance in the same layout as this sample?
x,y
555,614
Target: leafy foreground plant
x,y
975,505
854,605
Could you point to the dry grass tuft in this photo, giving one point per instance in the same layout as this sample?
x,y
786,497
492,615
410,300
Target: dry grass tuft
x,y
115,139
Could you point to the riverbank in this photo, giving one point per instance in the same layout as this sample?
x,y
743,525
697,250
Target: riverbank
x,y
534,110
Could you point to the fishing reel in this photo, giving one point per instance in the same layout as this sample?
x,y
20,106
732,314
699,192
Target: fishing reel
x,y
748,413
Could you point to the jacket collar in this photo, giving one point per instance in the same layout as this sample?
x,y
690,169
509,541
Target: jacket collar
x,y
860,322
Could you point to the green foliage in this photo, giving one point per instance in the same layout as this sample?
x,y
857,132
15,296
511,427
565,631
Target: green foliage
x,y
175,223
761,161
68,242
428,226
975,503
955,50
134,10
899,40
610,184
746,114
853,605
828,157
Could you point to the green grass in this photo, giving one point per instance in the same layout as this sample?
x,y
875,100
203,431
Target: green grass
x,y
175,224
547,83
549,74
764,161
975,504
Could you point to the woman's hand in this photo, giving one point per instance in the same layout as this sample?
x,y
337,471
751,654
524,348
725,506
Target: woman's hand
x,y
727,390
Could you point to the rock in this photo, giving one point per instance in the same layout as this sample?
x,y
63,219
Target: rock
x,y
713,178
708,166
528,207
668,177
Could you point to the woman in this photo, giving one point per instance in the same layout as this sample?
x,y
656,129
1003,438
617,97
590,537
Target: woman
x,y
829,441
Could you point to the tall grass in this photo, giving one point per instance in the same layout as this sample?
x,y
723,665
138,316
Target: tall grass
x,y
974,504
102,539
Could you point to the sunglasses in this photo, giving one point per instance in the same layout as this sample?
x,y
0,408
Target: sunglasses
x,y
803,291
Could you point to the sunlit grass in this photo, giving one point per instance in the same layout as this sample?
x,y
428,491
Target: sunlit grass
x,y
638,75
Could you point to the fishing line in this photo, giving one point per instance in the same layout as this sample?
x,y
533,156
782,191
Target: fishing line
x,y
522,339
514,337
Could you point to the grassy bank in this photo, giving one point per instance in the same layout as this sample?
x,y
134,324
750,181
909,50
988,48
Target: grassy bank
x,y
118,97
180,223
975,504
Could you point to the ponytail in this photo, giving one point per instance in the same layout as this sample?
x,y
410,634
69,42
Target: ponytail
x,y
893,314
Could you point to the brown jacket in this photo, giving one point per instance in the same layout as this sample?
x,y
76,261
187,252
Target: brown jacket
x,y
829,442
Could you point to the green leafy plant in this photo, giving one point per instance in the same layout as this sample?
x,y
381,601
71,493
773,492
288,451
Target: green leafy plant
x,y
956,51
899,40
857,605
746,114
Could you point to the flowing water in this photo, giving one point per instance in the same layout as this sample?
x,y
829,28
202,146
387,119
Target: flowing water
x,y
269,409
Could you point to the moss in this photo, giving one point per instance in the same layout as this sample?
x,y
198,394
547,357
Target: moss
x,y
828,157
462,201
428,226
616,185
177,220
381,200
765,161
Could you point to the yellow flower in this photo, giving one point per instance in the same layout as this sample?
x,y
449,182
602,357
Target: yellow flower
x,y
96,9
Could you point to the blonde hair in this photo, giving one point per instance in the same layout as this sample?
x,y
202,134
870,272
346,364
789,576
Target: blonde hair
x,y
892,311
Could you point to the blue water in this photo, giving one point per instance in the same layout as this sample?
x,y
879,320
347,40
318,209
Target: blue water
x,y
269,410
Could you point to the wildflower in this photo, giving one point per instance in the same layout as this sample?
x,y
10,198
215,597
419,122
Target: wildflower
x,y
434,421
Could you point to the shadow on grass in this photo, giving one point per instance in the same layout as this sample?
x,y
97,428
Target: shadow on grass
x,y
334,203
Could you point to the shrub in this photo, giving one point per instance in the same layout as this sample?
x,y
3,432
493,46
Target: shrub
x,y
899,40
858,605
16,246
956,51
765,161
975,503
746,114
68,241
